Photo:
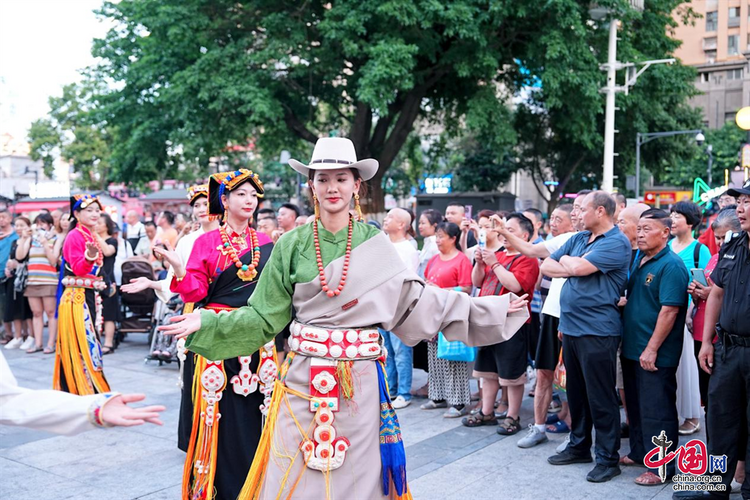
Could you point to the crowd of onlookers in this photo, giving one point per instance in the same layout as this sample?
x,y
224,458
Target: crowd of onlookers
x,y
618,304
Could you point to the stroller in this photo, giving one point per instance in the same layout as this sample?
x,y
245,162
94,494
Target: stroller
x,y
137,309
164,347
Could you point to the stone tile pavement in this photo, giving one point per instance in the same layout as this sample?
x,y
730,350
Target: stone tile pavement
x,y
445,460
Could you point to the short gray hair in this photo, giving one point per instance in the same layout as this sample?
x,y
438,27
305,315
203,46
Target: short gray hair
x,y
605,200
727,217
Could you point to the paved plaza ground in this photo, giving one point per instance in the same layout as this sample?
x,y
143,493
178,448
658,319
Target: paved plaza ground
x,y
445,459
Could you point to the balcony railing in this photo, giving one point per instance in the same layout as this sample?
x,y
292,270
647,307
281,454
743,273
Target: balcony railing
x,y
733,22
709,43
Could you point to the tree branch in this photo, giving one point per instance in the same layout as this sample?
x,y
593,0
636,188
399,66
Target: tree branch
x,y
299,128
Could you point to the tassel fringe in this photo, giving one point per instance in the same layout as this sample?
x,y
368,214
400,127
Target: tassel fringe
x,y
72,355
199,471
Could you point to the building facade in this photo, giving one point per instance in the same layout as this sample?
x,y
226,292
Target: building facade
x,y
718,47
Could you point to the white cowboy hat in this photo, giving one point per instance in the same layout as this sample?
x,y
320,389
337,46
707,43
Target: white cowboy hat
x,y
333,153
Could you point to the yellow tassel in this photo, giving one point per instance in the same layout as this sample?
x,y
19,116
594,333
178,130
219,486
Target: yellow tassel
x,y
316,206
344,374
204,441
358,208
72,351
256,474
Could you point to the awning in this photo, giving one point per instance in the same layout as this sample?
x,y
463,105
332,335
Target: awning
x,y
36,206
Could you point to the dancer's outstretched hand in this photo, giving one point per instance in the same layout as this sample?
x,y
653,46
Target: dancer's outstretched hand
x,y
183,325
518,304
117,412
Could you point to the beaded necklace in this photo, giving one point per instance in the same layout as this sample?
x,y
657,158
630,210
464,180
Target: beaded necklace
x,y
321,269
246,272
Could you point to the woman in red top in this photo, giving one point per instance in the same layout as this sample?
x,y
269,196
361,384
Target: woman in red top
x,y
726,221
448,380
223,402
78,357
501,269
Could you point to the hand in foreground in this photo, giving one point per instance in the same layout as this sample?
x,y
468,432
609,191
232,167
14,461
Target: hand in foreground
x,y
117,412
172,257
183,325
706,357
136,285
648,360
518,304
498,224
92,250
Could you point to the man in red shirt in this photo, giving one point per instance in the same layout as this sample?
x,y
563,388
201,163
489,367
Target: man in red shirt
x,y
500,269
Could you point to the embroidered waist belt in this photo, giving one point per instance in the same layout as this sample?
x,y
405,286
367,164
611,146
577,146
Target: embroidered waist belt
x,y
84,282
335,343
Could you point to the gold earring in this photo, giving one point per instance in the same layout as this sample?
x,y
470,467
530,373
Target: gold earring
x,y
316,206
226,215
358,208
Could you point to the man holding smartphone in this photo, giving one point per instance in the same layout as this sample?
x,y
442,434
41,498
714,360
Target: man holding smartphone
x,y
460,215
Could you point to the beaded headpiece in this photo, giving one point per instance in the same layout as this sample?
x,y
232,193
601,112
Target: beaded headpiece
x,y
222,182
196,192
81,201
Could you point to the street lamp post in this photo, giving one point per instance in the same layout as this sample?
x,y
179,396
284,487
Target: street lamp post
x,y
643,138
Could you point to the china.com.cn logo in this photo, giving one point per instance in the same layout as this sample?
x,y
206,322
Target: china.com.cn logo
x,y
692,458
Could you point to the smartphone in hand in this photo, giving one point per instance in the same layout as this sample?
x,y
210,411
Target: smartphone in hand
x,y
699,275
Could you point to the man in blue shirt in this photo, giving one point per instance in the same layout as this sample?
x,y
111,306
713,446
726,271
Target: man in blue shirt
x,y
595,261
7,237
652,341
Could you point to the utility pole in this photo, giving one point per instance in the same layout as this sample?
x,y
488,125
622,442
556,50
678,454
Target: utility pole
x,y
608,178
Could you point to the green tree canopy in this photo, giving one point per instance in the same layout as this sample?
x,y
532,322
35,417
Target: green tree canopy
x,y
513,84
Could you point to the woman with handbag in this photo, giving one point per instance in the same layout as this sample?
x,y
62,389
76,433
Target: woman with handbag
x,y
37,248
448,381
17,311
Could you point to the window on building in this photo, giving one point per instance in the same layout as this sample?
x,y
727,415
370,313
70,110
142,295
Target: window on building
x,y
735,74
733,45
712,20
734,17
703,77
710,56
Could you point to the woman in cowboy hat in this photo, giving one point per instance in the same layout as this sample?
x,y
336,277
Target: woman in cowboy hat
x,y
78,357
331,431
222,407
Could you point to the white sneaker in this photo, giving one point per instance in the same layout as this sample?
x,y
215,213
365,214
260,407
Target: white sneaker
x,y
401,402
564,444
28,343
14,344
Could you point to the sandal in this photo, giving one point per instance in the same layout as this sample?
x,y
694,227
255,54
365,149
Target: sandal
x,y
479,419
559,427
49,350
35,349
552,418
688,428
509,426
107,350
626,461
648,479
454,412
432,405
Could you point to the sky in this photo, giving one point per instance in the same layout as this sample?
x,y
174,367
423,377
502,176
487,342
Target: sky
x,y
43,44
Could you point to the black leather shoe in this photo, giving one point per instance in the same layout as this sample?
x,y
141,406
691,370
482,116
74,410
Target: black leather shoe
x,y
693,495
567,458
602,473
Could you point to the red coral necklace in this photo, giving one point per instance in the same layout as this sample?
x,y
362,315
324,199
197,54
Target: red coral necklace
x,y
321,269
246,272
